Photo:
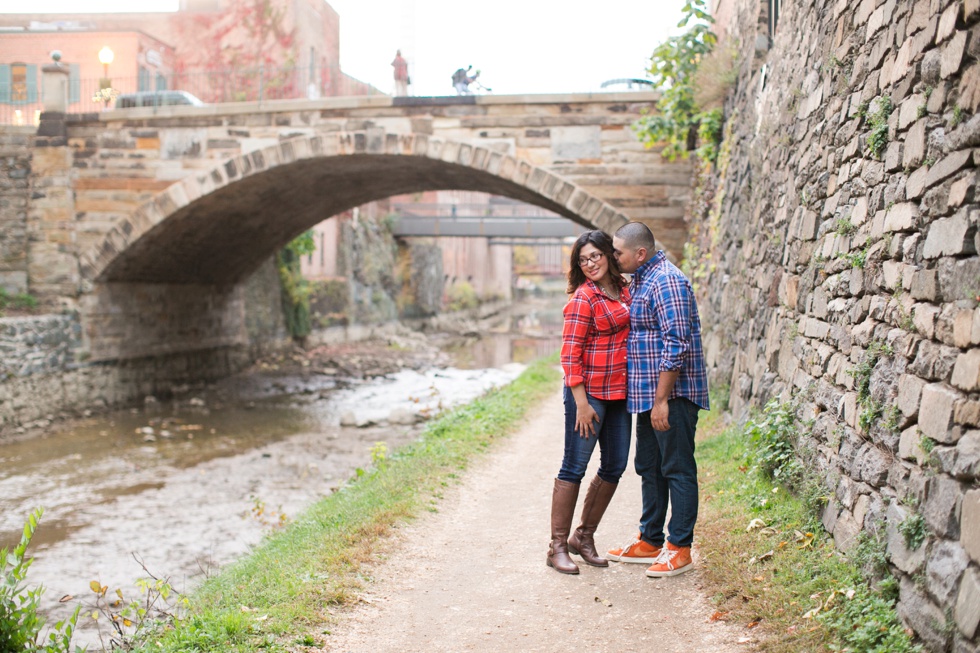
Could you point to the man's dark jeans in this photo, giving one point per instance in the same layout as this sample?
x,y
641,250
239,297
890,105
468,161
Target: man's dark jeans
x,y
612,432
665,463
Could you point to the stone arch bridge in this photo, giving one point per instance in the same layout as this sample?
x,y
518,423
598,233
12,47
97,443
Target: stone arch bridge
x,y
149,220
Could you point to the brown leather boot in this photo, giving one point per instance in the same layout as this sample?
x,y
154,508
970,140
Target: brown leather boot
x,y
597,499
562,510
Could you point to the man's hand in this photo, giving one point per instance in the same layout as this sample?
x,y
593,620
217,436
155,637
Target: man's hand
x,y
585,419
658,416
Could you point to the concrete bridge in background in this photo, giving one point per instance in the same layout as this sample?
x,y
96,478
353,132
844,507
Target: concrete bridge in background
x,y
146,223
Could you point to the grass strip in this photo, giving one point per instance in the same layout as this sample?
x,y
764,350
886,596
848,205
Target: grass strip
x,y
272,599
769,564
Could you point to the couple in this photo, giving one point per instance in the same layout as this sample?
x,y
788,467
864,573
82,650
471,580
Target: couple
x,y
654,324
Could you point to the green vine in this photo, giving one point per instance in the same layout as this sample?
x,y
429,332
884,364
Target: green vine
x,y
679,122
295,289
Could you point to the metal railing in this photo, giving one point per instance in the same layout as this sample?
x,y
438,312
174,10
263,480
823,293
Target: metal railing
x,y
21,103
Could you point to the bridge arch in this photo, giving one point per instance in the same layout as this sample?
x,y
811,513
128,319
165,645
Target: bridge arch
x,y
211,228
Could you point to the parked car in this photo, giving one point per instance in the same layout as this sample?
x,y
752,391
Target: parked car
x,y
157,99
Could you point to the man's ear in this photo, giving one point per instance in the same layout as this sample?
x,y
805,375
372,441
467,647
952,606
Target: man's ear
x,y
641,254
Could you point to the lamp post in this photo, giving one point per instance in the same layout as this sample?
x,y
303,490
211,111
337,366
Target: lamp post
x,y
106,92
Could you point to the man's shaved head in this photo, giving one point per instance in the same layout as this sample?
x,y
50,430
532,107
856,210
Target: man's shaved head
x,y
636,235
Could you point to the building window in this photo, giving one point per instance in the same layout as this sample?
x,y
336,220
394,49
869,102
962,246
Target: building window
x,y
773,16
18,83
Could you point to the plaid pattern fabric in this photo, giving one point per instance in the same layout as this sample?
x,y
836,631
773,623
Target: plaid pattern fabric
x,y
665,335
593,342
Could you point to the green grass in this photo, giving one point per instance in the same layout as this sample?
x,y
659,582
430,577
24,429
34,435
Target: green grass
x,y
281,596
781,577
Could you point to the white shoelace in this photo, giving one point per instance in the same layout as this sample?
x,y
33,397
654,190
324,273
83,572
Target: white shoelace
x,y
666,557
626,549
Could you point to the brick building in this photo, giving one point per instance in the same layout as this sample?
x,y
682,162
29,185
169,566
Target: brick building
x,y
219,50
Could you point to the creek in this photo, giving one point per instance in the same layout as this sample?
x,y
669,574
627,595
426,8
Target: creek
x,y
187,485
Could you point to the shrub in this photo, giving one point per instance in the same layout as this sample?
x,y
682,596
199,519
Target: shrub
x,y
20,623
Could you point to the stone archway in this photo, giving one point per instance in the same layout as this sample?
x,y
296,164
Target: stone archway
x,y
214,229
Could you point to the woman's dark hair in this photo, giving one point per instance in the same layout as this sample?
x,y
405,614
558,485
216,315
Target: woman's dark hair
x,y
602,242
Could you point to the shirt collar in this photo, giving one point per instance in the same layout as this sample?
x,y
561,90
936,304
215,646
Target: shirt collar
x,y
656,260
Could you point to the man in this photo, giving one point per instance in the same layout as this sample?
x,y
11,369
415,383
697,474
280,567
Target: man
x,y
462,80
401,74
667,385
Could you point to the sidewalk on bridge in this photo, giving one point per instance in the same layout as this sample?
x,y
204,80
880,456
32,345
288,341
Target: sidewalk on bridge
x,y
472,577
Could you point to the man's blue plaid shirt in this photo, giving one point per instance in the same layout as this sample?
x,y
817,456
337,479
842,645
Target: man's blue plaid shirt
x,y
665,335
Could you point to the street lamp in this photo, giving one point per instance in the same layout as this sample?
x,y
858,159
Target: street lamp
x,y
106,92
106,56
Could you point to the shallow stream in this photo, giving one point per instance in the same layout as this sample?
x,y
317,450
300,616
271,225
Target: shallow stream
x,y
188,485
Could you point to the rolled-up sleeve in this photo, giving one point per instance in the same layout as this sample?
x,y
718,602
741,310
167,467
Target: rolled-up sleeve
x,y
574,334
672,306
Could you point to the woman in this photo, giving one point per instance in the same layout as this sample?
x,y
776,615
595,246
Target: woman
x,y
593,357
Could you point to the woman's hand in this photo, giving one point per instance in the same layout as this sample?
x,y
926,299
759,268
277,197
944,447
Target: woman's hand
x,y
585,419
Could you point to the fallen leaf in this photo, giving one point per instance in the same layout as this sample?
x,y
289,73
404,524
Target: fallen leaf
x,y
754,524
65,598
719,615
605,602
765,556
744,640
753,624
849,594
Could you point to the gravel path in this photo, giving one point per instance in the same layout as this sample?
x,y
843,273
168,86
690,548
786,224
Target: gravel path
x,y
472,577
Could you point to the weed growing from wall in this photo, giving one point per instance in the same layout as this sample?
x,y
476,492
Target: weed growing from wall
x,y
877,117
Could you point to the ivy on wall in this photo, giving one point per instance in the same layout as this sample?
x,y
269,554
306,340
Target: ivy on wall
x,y
295,289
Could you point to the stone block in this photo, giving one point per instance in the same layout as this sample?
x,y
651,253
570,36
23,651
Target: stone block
x,y
910,445
902,217
916,183
967,610
908,111
892,272
970,524
947,562
963,328
924,319
909,394
846,532
948,166
962,191
966,467
966,372
951,236
924,285
914,147
874,467
952,55
940,507
936,412
960,278
947,23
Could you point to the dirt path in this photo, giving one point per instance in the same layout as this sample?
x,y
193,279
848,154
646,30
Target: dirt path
x,y
472,577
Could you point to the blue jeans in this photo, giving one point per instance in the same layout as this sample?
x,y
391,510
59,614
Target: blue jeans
x,y
612,432
665,463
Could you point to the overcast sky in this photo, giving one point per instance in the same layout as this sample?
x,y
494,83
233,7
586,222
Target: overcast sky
x,y
521,46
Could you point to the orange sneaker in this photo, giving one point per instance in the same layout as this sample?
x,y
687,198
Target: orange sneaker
x,y
672,561
635,551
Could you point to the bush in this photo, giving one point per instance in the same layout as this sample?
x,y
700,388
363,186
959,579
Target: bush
x,y
20,623
461,296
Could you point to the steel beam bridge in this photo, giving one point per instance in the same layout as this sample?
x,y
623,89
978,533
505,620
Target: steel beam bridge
x,y
486,227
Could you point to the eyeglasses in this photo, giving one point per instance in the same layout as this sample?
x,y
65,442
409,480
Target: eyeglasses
x,y
591,258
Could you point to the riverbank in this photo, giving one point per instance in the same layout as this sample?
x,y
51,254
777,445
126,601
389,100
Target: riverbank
x,y
291,583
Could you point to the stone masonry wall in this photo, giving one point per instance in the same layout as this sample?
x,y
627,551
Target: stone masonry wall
x,y
839,256
48,369
16,144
